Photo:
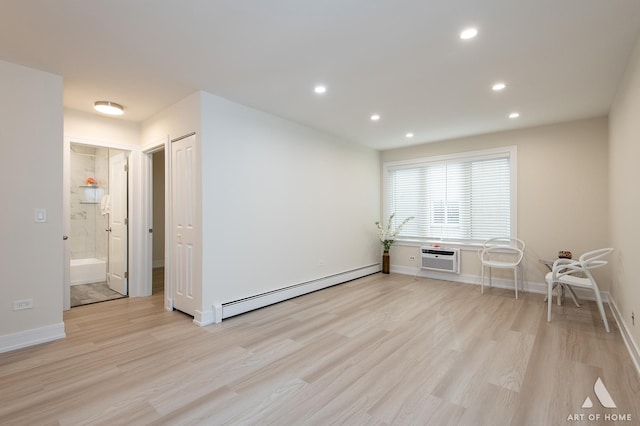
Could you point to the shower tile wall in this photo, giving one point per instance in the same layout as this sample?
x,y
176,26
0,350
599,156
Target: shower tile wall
x,y
88,236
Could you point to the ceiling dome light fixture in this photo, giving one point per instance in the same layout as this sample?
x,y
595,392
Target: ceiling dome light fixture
x,y
468,33
320,89
409,135
514,115
108,107
498,87
375,117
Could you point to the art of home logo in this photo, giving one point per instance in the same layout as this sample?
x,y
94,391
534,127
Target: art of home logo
x,y
605,400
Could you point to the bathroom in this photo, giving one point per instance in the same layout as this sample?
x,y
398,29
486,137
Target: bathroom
x,y
90,208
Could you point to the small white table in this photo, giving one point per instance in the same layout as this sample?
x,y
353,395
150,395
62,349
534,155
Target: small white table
x,y
549,264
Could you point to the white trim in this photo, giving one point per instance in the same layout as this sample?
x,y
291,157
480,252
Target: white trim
x,y
168,302
480,154
147,213
147,216
630,343
102,143
477,247
168,222
217,313
529,286
155,146
261,300
444,276
34,336
146,252
202,318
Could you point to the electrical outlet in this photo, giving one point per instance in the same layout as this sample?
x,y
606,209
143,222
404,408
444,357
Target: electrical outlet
x,y
412,258
19,305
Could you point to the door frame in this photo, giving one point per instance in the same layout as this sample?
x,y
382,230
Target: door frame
x,y
136,274
143,184
147,215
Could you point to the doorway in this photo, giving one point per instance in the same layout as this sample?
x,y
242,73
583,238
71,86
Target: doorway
x,y
158,220
98,216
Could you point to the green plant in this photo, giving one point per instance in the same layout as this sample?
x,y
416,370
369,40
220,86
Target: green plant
x,y
387,237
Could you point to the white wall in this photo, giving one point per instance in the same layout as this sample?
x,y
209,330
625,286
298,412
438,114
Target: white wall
x,y
31,173
178,120
88,127
562,191
625,195
282,203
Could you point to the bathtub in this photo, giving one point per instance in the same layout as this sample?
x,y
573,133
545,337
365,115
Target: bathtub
x,y
90,270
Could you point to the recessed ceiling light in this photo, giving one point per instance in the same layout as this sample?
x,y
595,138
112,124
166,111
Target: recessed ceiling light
x,y
468,33
320,89
375,117
409,135
514,115
107,107
499,86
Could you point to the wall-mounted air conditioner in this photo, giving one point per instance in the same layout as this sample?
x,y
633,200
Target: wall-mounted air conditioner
x,y
441,259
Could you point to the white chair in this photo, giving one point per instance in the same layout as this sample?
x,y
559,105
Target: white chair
x,y
503,253
577,273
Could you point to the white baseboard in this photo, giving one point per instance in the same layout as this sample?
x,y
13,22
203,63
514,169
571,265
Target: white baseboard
x,y
529,286
632,345
202,318
86,281
261,300
34,336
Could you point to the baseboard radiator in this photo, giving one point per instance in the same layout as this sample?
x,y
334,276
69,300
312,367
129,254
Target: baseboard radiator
x,y
441,259
265,299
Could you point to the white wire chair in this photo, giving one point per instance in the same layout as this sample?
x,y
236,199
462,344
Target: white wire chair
x,y
502,253
577,273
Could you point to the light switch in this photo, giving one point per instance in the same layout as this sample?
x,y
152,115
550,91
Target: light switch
x,y
41,215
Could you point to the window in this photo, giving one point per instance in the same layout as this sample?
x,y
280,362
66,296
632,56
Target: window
x,y
465,198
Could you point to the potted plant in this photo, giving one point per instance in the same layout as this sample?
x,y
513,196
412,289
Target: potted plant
x,y
388,237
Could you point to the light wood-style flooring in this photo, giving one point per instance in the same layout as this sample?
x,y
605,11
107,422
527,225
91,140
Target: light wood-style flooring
x,y
384,349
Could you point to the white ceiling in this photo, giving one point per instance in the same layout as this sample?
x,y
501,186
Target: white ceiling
x,y
561,59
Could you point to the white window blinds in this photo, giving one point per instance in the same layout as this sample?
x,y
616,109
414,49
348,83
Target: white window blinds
x,y
462,198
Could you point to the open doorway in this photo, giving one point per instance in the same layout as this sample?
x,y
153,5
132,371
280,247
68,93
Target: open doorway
x,y
98,216
158,220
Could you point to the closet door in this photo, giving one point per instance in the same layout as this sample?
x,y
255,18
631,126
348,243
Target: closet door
x,y
184,225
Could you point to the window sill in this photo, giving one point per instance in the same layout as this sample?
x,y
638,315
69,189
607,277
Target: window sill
x,y
442,243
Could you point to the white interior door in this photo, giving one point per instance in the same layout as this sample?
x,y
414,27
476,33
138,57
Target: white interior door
x,y
183,205
66,215
117,277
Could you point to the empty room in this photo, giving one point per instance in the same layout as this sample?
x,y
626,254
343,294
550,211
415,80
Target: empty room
x,y
338,212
